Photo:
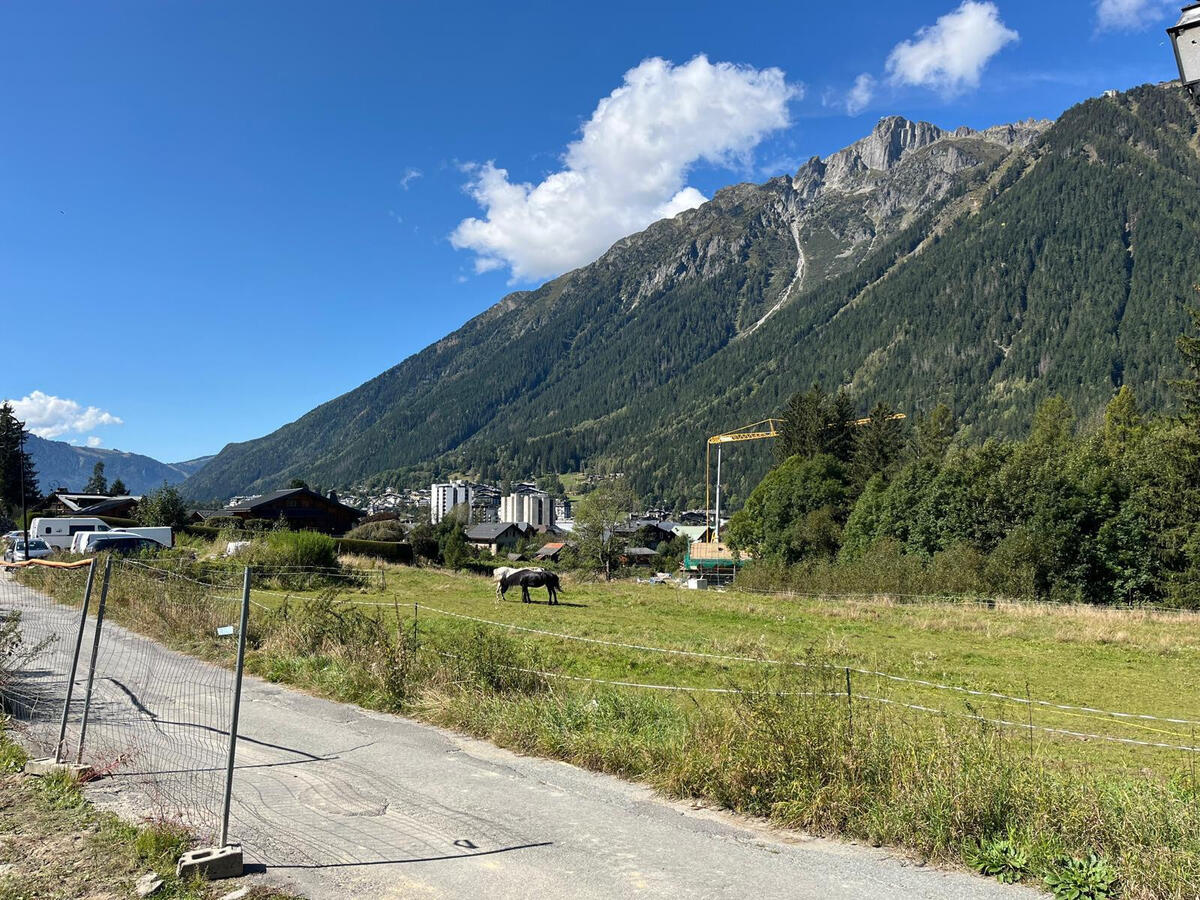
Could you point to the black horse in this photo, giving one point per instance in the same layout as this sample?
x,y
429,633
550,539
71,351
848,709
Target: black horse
x,y
531,578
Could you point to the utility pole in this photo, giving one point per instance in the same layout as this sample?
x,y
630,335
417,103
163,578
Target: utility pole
x,y
24,511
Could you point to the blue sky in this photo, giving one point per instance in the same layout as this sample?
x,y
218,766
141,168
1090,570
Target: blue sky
x,y
215,216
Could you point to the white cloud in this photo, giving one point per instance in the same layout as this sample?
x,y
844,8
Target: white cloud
x,y
861,94
1130,15
627,169
951,54
410,175
94,441
51,417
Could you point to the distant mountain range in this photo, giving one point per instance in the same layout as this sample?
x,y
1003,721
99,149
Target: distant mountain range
x,y
985,269
60,464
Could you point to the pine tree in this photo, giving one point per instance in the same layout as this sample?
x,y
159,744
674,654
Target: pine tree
x,y
16,466
1122,420
815,422
1189,387
878,444
934,433
97,484
118,489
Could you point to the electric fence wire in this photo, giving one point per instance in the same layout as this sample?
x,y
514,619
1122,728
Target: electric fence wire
x,y
1129,719
901,679
696,689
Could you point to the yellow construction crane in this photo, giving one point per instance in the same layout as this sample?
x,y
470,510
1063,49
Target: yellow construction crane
x,y
756,431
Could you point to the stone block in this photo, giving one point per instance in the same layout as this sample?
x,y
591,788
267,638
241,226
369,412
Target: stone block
x,y
211,863
47,766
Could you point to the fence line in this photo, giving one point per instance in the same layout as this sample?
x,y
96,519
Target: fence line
x,y
834,695
1047,704
954,599
1026,726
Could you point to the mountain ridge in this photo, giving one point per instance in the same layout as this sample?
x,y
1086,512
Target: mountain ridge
x,y
678,330
60,464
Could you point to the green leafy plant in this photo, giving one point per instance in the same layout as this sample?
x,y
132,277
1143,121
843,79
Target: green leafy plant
x,y
1001,858
1083,879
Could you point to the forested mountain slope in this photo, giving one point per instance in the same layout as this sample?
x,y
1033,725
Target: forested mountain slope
x,y
987,270
60,464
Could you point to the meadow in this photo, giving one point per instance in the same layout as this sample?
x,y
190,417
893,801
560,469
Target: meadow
x,y
915,766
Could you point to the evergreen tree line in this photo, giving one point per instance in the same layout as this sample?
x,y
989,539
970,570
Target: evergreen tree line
x,y
16,470
1106,514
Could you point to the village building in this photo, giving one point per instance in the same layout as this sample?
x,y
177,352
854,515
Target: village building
x,y
498,537
301,508
535,507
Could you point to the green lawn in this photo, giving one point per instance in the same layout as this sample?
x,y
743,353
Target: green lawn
x,y
1111,660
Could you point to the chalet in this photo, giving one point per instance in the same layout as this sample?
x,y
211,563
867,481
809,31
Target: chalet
x,y
551,551
64,503
498,537
302,509
648,531
116,507
639,556
200,516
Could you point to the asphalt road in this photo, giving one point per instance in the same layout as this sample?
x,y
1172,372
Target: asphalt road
x,y
335,801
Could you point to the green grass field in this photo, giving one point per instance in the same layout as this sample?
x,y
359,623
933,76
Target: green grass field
x,y
1080,656
785,744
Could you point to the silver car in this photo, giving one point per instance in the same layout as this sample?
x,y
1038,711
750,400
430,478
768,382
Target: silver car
x,y
38,549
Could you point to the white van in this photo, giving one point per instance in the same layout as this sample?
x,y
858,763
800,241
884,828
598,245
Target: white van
x,y
58,532
82,541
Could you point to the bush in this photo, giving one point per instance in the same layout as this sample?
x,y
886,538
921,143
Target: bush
x,y
202,531
219,522
299,549
390,530
392,551
163,506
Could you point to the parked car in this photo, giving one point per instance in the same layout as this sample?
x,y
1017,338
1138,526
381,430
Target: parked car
x,y
38,549
122,544
81,541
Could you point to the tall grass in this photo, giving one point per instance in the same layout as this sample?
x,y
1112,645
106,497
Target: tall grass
x,y
792,747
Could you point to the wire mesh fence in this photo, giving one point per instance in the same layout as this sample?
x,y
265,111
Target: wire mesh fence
x,y
154,720
38,651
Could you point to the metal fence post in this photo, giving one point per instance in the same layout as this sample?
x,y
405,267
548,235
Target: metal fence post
x,y
850,708
62,728
87,697
237,704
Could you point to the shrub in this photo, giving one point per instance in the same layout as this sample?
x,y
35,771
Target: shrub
x,y
301,549
392,551
219,522
390,530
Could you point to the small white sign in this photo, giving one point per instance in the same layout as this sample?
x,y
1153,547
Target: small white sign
x,y
225,631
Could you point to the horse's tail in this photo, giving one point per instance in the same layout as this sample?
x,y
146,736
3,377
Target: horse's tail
x,y
557,582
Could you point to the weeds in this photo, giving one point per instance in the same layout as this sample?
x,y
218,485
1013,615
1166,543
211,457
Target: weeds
x,y
1001,858
1083,879
12,755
